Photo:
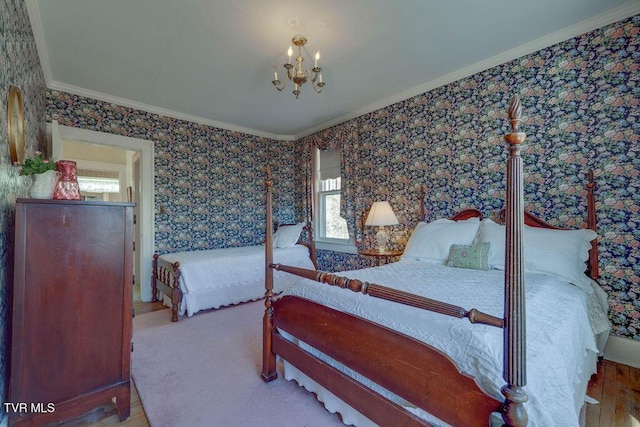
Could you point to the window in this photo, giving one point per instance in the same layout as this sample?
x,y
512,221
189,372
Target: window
x,y
330,227
99,185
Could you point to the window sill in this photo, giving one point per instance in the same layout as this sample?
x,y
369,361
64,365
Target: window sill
x,y
349,248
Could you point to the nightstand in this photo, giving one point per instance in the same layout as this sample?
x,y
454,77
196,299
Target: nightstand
x,y
382,257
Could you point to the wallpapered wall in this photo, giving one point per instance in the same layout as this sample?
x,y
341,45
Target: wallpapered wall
x,y
208,181
581,105
19,66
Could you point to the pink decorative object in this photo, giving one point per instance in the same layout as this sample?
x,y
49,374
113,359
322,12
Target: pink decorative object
x,y
67,187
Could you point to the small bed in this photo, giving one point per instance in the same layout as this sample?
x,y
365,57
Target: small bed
x,y
399,354
199,280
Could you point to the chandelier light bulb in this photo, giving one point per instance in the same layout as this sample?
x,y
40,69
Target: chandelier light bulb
x,y
317,58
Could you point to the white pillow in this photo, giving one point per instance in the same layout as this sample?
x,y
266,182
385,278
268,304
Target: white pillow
x,y
495,234
287,235
562,253
432,241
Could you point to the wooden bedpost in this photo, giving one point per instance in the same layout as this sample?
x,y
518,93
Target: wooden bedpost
x,y
176,293
154,277
268,356
594,270
514,373
312,245
311,211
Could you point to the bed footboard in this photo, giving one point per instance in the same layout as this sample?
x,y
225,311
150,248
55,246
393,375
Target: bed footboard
x,y
165,278
435,383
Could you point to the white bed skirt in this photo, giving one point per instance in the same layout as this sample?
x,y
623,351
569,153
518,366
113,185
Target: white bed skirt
x,y
351,416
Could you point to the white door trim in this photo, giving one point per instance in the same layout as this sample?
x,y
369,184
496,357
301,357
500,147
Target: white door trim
x,y
146,149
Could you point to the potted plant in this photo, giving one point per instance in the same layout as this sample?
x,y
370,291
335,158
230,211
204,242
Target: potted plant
x,y
44,173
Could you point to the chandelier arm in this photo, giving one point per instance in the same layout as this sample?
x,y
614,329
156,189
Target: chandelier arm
x,y
317,86
276,83
317,75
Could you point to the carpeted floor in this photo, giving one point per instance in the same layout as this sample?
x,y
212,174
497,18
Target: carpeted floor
x,y
205,371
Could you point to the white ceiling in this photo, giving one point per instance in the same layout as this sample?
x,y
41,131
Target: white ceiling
x,y
211,61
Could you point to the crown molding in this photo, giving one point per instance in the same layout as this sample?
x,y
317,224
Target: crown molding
x,y
38,34
594,23
163,112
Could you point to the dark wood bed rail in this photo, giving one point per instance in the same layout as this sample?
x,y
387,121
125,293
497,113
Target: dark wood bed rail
x,y
393,295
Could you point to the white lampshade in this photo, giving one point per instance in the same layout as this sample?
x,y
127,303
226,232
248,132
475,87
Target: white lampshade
x,y
381,214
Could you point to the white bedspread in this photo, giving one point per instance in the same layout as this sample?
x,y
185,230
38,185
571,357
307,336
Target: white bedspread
x,y
561,323
218,277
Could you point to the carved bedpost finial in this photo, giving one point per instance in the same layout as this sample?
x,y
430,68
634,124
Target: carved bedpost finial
x,y
515,112
515,137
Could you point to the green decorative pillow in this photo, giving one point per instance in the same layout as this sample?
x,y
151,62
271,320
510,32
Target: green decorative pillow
x,y
469,256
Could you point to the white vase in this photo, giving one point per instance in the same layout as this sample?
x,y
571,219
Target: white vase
x,y
43,185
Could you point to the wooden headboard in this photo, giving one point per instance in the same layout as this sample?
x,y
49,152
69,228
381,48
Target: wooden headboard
x,y
531,220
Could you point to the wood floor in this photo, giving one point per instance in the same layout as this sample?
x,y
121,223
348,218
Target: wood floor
x,y
616,387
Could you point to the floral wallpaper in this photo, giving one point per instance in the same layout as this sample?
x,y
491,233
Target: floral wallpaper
x,y
580,101
209,182
19,66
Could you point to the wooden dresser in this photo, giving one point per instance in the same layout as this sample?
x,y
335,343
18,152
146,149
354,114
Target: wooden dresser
x,y
72,309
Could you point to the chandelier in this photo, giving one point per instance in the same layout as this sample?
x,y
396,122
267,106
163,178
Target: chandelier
x,y
296,73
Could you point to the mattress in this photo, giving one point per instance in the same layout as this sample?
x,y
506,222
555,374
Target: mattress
x,y
563,323
218,277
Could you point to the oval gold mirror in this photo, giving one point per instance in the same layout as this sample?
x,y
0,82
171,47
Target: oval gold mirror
x,y
15,124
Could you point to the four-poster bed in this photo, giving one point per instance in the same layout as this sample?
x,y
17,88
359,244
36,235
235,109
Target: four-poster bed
x,y
334,343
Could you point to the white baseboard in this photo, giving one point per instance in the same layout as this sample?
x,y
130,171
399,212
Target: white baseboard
x,y
623,350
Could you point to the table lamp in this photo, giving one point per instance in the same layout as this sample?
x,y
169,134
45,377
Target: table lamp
x,y
380,215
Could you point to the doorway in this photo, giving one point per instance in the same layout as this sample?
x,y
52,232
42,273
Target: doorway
x,y
141,152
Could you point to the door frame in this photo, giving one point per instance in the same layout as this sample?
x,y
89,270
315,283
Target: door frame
x,y
146,245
